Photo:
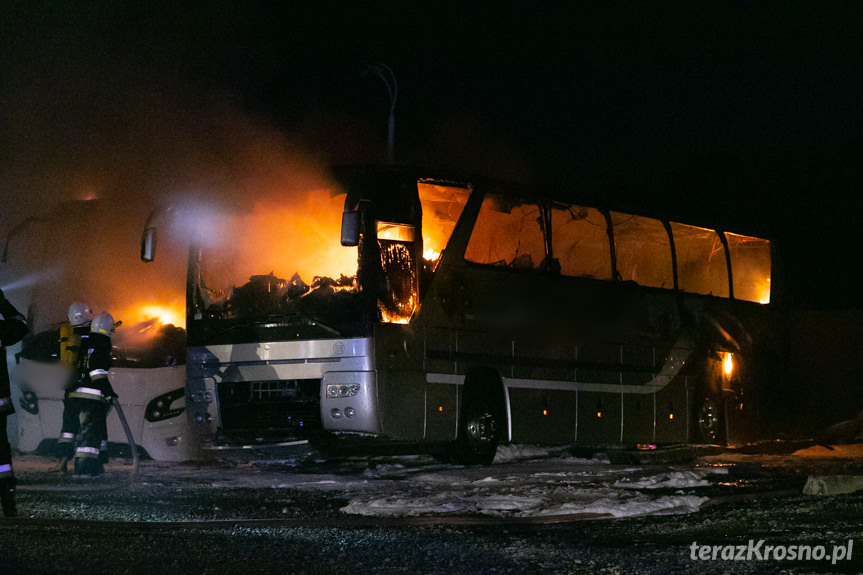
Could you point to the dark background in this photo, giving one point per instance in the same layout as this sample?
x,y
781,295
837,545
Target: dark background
x,y
743,113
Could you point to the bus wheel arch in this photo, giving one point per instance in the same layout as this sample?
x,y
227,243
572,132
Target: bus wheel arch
x,y
483,421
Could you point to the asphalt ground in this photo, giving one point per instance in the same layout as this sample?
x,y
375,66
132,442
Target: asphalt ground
x,y
225,516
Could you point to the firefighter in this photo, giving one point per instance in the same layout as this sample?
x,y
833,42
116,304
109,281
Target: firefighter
x,y
13,328
79,315
92,394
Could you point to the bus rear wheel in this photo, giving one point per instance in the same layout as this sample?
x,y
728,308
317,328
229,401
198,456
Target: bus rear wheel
x,y
709,420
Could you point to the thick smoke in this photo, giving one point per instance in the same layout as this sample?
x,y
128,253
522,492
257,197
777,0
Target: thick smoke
x,y
111,111
92,143
84,225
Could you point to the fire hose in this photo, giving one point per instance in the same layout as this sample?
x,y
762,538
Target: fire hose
x,y
100,487
131,440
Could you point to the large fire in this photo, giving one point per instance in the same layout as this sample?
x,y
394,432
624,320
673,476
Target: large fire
x,y
298,238
292,237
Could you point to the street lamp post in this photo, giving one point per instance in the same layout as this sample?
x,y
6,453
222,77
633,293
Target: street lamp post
x,y
385,73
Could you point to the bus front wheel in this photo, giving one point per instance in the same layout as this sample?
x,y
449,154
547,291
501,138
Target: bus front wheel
x,y
479,431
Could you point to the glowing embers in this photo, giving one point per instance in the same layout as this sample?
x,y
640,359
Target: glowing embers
x,y
388,317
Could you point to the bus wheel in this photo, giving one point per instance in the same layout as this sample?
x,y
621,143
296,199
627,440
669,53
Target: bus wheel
x,y
479,432
709,420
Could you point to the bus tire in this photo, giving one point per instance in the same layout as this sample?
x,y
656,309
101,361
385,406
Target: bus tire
x,y
481,423
710,420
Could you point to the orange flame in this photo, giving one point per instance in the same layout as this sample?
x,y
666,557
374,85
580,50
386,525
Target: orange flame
x,y
299,236
163,314
765,292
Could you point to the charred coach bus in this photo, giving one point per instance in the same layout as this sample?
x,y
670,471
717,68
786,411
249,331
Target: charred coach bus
x,y
467,313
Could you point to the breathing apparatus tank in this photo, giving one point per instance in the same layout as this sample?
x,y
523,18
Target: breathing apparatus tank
x,y
79,316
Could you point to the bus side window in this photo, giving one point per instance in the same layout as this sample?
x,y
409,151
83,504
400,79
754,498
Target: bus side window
x,y
750,267
643,251
507,233
701,265
580,242
442,207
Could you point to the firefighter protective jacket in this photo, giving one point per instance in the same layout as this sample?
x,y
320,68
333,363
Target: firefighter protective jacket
x,y
94,361
13,328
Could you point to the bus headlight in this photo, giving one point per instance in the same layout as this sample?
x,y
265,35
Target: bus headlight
x,y
160,408
337,391
29,402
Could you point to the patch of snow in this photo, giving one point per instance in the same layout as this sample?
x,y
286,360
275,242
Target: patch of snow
x,y
527,503
833,484
535,489
673,479
616,506
511,452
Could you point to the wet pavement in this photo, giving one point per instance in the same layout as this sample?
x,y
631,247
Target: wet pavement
x,y
535,511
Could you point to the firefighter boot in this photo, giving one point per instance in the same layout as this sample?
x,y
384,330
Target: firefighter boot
x,y
7,497
87,467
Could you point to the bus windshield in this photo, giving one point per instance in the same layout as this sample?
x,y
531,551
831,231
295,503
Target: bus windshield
x,y
283,265
260,264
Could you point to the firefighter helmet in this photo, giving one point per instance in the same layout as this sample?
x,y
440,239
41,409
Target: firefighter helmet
x,y
80,314
102,323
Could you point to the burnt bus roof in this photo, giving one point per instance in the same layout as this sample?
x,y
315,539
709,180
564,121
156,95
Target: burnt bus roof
x,y
361,177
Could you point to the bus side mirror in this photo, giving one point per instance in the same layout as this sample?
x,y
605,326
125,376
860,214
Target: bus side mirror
x,y
148,245
350,228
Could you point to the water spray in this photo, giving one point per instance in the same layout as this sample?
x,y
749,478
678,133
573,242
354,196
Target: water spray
x,y
30,279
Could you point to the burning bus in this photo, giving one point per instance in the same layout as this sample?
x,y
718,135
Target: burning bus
x,y
460,313
60,257
147,372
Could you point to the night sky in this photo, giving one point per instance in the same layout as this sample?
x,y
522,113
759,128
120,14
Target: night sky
x,y
744,113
